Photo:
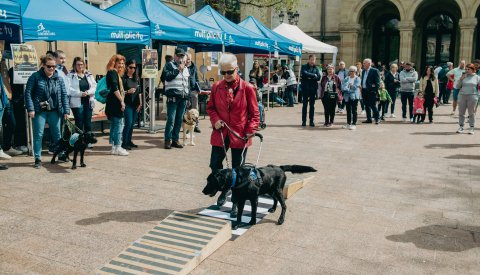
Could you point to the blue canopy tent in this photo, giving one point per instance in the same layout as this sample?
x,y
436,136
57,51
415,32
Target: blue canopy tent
x,y
167,25
236,39
10,21
282,44
75,20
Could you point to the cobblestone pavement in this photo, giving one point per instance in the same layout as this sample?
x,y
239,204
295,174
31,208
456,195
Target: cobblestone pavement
x,y
395,198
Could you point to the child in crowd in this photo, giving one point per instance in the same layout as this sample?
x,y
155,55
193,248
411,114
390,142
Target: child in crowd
x,y
418,108
384,98
259,99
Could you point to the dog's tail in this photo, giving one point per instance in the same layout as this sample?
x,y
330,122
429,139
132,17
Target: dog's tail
x,y
297,169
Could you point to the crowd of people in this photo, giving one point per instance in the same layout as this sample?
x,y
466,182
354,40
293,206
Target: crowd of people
x,y
55,92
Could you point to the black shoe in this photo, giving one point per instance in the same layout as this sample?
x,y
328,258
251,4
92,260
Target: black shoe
x,y
126,147
291,105
377,122
38,164
168,144
304,124
177,145
367,121
312,124
382,118
133,145
222,199
197,130
3,167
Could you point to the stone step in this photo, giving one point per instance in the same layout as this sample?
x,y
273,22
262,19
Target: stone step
x,y
176,245
295,183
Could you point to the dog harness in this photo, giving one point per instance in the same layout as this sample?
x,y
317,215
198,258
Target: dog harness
x,y
188,123
253,177
73,139
234,177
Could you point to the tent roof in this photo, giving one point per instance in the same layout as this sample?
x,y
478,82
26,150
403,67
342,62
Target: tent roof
x,y
165,23
11,12
283,44
310,45
236,38
75,20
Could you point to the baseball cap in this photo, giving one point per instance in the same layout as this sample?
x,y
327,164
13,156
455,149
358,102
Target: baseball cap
x,y
179,51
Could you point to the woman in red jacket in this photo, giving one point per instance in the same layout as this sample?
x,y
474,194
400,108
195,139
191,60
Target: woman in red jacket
x,y
232,103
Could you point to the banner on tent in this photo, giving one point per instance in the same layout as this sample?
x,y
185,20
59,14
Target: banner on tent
x,y
149,63
24,62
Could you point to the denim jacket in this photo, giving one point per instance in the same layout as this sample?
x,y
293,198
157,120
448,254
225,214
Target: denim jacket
x,y
4,103
352,93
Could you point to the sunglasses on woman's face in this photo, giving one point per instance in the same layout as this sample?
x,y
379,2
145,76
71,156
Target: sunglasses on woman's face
x,y
50,66
229,72
132,67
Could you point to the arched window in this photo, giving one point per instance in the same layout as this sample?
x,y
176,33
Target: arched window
x,y
386,40
439,40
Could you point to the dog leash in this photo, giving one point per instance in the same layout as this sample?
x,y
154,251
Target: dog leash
x,y
246,138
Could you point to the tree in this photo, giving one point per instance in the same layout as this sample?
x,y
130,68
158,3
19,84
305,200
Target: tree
x,y
224,6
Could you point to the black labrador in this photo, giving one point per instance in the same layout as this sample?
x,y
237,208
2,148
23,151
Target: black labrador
x,y
248,182
78,145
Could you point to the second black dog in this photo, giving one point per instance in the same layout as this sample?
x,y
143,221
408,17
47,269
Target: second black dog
x,y
79,146
248,182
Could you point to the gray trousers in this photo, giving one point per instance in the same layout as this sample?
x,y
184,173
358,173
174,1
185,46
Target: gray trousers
x,y
467,102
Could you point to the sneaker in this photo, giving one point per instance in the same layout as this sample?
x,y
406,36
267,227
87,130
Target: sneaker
x,y
114,148
346,126
404,119
393,115
175,144
353,127
22,148
304,124
13,152
121,151
126,147
133,145
382,118
452,113
3,167
412,120
312,124
329,125
460,130
3,155
363,112
367,121
471,131
38,164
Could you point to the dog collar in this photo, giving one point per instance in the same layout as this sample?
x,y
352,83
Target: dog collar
x,y
234,177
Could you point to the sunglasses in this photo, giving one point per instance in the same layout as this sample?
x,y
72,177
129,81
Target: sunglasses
x,y
230,72
132,67
50,66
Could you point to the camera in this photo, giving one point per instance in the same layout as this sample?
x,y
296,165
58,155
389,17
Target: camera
x,y
45,106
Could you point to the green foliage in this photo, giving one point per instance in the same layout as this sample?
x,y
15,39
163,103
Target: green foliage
x,y
223,6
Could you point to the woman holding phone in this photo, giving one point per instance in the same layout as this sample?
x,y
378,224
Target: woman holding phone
x,y
133,103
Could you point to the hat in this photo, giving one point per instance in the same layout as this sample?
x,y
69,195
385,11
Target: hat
x,y
179,51
408,63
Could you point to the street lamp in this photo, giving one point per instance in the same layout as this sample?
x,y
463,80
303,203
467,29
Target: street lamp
x,y
291,16
296,17
281,16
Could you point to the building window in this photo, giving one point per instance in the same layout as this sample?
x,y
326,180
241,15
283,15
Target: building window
x,y
178,2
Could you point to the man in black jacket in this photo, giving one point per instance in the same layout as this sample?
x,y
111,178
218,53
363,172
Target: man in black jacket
x,y
370,84
310,75
177,91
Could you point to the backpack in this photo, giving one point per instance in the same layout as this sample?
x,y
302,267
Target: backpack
x,y
102,91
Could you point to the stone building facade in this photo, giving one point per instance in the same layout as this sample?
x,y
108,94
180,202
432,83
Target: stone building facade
x,y
426,32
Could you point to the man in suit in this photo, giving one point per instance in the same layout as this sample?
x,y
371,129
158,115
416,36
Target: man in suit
x,y
370,84
310,75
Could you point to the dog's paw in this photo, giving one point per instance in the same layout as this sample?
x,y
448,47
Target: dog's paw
x,y
83,165
233,214
280,221
253,222
271,210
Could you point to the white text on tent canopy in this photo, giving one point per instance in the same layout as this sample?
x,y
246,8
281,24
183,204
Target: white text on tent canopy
x,y
126,35
208,35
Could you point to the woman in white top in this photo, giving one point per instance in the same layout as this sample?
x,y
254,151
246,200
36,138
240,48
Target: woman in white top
x,y
82,94
468,97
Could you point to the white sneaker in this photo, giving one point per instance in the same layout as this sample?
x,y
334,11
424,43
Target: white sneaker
x,y
353,127
460,130
3,155
120,151
452,113
471,131
404,119
363,112
13,152
22,148
346,126
114,150
393,115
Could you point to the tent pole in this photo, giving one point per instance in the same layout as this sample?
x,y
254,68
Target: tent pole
x,y
269,74
299,72
151,93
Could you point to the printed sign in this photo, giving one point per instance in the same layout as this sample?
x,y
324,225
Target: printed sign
x,y
149,63
24,62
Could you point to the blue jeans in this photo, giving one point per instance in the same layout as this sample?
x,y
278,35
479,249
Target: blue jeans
x,y
175,110
289,94
393,95
116,127
130,114
407,97
53,119
83,117
1,115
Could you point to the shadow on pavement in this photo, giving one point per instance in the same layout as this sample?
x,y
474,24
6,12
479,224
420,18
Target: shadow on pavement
x,y
132,216
441,237
459,156
435,133
451,146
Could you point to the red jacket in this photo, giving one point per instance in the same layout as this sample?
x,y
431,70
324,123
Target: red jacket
x,y
418,107
241,114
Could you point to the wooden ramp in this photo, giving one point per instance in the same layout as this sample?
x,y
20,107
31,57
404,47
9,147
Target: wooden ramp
x,y
176,245
295,183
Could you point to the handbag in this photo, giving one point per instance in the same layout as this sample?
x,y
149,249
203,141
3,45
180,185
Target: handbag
x,y
450,85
